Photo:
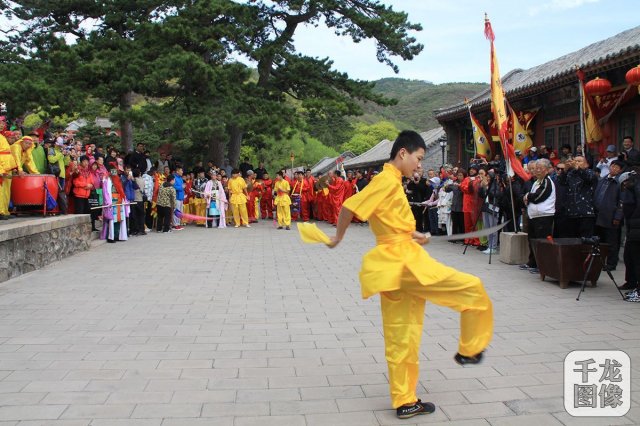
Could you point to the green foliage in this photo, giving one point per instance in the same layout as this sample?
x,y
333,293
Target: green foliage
x,y
367,136
306,149
97,135
417,101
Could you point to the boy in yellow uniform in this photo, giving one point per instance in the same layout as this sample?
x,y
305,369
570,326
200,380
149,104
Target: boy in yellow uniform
x,y
406,277
238,199
282,201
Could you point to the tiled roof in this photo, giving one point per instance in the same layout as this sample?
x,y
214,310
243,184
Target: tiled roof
x,y
380,152
559,71
327,163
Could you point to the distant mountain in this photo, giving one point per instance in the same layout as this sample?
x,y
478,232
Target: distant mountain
x,y
416,101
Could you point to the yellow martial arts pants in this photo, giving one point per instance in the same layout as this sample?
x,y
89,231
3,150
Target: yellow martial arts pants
x,y
403,315
284,215
5,196
199,208
240,212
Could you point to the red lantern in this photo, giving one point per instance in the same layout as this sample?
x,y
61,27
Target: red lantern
x,y
598,87
633,77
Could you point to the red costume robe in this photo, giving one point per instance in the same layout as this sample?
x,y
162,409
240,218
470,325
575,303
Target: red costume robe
x,y
336,198
470,207
254,195
266,199
308,198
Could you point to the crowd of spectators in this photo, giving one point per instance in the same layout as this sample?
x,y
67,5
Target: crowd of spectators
x,y
570,195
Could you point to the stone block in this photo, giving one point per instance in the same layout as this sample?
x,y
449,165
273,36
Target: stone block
x,y
514,248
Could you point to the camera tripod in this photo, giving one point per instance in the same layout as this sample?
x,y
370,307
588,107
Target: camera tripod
x,y
595,252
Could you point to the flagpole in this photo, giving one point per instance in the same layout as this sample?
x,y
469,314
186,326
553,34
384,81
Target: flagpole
x,y
582,132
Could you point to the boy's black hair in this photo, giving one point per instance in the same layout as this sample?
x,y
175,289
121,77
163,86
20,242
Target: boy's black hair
x,y
338,173
235,171
409,140
280,173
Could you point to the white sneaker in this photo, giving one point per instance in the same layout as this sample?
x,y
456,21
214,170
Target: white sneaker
x,y
490,251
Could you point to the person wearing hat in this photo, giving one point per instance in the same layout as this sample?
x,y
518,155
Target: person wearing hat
x,y
21,151
606,200
7,164
531,155
59,159
611,154
38,154
198,202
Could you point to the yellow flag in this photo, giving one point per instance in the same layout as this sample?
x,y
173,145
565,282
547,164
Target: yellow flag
x,y
521,139
592,129
499,110
480,138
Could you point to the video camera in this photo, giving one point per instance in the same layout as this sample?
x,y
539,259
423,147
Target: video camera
x,y
594,240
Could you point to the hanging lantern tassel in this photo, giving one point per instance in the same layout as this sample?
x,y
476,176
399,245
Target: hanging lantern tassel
x,y
598,87
633,77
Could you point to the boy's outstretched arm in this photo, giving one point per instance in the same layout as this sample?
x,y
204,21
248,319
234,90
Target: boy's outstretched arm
x,y
344,219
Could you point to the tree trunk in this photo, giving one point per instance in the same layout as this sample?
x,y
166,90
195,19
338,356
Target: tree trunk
x,y
216,151
126,127
235,140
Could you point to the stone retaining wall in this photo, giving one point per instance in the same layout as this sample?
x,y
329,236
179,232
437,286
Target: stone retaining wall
x,y
27,245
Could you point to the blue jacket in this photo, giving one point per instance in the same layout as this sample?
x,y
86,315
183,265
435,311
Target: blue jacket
x,y
179,187
130,187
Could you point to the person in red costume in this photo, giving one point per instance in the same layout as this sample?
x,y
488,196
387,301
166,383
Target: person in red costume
x,y
256,193
349,189
336,195
308,196
251,199
296,195
266,198
470,203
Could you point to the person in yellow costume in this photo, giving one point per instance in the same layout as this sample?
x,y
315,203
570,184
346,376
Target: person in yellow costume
x,y
21,151
406,277
7,165
238,199
282,201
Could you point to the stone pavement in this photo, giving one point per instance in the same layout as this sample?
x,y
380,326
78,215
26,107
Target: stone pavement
x,y
251,327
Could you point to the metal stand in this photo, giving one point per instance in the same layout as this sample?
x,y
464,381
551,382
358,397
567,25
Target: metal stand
x,y
595,252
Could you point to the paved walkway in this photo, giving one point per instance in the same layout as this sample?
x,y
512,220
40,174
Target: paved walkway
x,y
251,327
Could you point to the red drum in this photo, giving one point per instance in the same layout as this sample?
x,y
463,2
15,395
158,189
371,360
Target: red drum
x,y
28,190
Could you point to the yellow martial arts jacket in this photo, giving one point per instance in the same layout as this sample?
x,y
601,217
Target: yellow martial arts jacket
x,y
282,189
236,187
384,204
24,159
7,162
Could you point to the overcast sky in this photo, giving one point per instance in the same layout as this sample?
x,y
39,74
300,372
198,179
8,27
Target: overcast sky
x,y
528,33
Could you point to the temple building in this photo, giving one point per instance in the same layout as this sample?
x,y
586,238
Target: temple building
x,y
547,98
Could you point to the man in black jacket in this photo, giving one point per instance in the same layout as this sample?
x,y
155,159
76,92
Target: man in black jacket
x,y
138,160
417,190
630,198
580,182
606,200
629,154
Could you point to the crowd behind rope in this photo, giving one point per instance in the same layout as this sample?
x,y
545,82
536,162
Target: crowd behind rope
x,y
570,194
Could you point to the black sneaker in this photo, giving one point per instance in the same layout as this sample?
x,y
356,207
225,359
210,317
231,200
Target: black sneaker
x,y
627,286
464,360
408,411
